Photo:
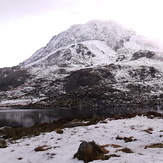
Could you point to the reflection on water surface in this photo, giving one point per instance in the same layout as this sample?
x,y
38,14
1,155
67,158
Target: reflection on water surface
x,y
25,117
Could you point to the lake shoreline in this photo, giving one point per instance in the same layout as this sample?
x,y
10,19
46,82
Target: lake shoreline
x,y
37,129
23,117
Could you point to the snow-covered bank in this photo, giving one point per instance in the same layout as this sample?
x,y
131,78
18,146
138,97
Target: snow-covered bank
x,y
60,148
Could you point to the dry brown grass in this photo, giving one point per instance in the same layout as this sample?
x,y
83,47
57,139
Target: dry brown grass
x,y
125,150
126,139
107,157
59,131
42,148
157,145
149,130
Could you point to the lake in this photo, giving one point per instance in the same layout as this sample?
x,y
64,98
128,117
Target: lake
x,y
29,117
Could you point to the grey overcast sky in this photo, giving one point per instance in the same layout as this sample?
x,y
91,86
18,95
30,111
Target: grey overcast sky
x,y
27,25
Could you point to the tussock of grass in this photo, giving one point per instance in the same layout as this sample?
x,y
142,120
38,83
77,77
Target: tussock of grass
x,y
59,131
125,150
149,130
42,148
157,145
107,157
126,139
20,158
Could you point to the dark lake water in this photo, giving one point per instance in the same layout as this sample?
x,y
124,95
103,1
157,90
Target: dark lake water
x,y
29,117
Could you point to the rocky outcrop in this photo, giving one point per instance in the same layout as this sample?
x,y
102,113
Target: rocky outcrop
x,y
144,73
143,53
88,78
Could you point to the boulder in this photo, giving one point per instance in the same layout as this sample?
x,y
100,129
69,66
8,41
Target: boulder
x,y
143,53
3,143
89,151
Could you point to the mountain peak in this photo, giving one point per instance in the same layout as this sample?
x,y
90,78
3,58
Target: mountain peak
x,y
110,32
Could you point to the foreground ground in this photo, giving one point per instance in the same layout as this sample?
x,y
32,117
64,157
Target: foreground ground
x,y
138,139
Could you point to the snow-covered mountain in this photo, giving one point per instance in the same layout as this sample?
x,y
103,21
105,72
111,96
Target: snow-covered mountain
x,y
97,64
90,42
110,33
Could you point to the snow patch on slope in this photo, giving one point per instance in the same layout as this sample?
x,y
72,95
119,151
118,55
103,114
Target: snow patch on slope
x,y
92,53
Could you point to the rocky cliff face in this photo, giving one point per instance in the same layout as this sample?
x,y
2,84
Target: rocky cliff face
x,y
97,64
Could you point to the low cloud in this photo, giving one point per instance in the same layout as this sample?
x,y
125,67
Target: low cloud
x,y
14,9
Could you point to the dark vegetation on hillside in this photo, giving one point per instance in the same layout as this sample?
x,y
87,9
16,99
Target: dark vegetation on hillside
x,y
12,77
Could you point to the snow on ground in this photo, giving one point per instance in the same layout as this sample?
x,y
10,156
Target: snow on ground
x,y
21,102
62,147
